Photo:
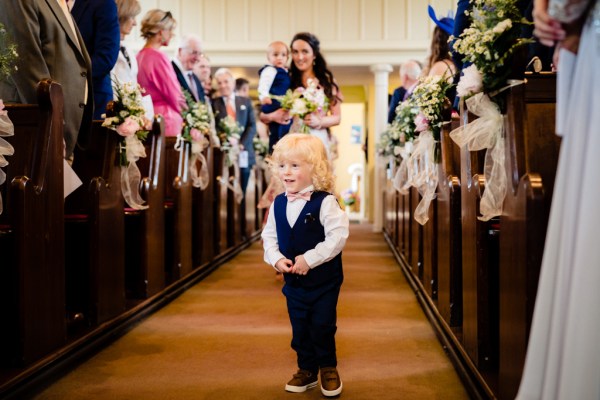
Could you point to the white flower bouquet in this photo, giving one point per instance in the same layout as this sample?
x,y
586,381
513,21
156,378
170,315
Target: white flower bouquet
x,y
196,120
490,43
303,101
229,135
430,98
126,115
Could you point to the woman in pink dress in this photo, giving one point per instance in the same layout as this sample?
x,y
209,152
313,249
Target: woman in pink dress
x,y
156,74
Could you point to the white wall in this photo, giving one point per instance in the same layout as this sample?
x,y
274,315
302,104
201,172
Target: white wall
x,y
352,32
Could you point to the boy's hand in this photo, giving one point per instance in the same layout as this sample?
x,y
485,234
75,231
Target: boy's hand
x,y
266,100
300,267
284,265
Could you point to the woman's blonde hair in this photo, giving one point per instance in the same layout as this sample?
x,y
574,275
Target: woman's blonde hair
x,y
155,21
307,148
127,9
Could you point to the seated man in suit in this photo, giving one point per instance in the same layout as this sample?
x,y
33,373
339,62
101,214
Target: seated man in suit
x,y
188,55
240,108
64,58
409,76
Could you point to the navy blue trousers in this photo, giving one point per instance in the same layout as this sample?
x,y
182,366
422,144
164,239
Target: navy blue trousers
x,y
313,316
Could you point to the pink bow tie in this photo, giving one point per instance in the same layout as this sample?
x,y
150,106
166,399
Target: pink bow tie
x,y
294,196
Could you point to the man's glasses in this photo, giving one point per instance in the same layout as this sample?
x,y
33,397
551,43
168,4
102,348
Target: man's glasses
x,y
195,53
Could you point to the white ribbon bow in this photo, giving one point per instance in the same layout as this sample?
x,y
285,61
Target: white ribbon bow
x,y
6,129
130,175
486,132
418,169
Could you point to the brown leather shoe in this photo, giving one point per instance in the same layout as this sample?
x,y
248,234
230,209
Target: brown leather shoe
x,y
331,384
301,381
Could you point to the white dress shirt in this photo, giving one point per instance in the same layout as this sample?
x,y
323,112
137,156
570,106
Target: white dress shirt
x,y
122,71
265,81
332,217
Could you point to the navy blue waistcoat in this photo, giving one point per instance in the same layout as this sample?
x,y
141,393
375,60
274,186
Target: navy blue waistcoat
x,y
280,85
306,233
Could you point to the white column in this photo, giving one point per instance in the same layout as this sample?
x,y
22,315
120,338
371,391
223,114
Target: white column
x,y
381,72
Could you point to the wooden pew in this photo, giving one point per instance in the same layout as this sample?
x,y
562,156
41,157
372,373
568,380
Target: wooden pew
x,y
220,195
203,212
145,229
94,230
480,265
415,236
249,210
389,206
178,211
449,240
32,287
261,186
234,215
531,158
403,206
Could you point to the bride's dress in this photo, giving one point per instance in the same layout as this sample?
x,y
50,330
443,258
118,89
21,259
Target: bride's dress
x,y
563,356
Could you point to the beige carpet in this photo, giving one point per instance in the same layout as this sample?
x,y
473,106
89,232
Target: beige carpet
x,y
228,338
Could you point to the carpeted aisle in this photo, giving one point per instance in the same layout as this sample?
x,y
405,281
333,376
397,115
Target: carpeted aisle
x,y
228,338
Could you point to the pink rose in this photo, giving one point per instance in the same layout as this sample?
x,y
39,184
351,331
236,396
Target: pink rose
x,y
128,127
2,112
421,123
195,134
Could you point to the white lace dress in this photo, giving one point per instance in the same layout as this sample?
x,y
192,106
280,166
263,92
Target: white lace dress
x,y
563,357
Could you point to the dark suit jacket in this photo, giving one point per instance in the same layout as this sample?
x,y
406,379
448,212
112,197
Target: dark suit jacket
x,y
48,49
185,85
244,114
396,99
99,26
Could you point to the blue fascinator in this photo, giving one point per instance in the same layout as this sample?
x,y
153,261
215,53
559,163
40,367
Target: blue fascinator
x,y
446,24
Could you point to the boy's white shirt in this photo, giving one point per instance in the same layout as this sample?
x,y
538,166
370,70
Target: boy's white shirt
x,y
265,81
332,217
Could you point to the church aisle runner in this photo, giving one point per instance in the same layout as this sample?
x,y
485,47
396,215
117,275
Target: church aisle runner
x,y
228,338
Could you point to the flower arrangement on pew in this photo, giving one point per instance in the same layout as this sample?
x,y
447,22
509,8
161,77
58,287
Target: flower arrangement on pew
x,y
8,57
303,101
491,44
261,149
419,168
398,136
229,135
197,130
126,116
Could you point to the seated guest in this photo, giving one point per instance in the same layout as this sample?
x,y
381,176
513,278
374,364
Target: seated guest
x,y
440,60
64,59
156,74
202,71
409,76
126,67
242,111
242,87
99,26
188,55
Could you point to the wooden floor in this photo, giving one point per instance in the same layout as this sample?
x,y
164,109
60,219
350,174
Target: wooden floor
x,y
228,338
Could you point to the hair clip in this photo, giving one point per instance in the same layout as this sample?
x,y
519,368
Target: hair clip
x,y
309,218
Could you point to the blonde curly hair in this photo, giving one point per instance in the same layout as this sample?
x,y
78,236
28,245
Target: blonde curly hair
x,y
309,149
